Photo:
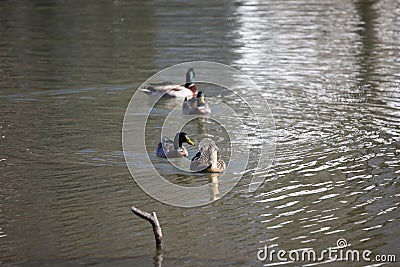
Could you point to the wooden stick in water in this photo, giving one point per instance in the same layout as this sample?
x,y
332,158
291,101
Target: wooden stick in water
x,y
153,220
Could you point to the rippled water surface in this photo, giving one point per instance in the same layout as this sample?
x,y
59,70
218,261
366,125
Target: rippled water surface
x,y
330,71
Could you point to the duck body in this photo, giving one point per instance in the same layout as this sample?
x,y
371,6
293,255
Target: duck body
x,y
196,105
206,160
170,90
165,150
173,149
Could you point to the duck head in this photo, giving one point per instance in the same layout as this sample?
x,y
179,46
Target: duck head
x,y
200,99
207,154
181,138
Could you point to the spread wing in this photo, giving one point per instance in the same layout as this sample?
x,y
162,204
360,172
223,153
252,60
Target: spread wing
x,y
162,87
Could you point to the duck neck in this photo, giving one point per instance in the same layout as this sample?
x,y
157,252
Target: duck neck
x,y
192,87
214,159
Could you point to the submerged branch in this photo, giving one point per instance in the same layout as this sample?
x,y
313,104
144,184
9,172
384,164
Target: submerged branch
x,y
153,220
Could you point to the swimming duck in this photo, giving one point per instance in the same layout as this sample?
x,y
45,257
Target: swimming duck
x,y
168,89
206,160
196,105
173,149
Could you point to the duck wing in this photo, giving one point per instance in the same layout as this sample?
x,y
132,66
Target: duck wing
x,y
162,87
189,106
200,162
167,144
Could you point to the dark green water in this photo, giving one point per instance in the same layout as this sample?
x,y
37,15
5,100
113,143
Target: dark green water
x,y
330,71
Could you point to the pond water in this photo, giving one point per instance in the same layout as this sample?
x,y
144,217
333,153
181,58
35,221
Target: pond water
x,y
330,71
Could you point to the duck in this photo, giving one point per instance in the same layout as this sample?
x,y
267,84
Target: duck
x,y
173,149
206,160
196,105
170,90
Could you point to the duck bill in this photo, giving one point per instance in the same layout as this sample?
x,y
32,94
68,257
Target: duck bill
x,y
190,142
